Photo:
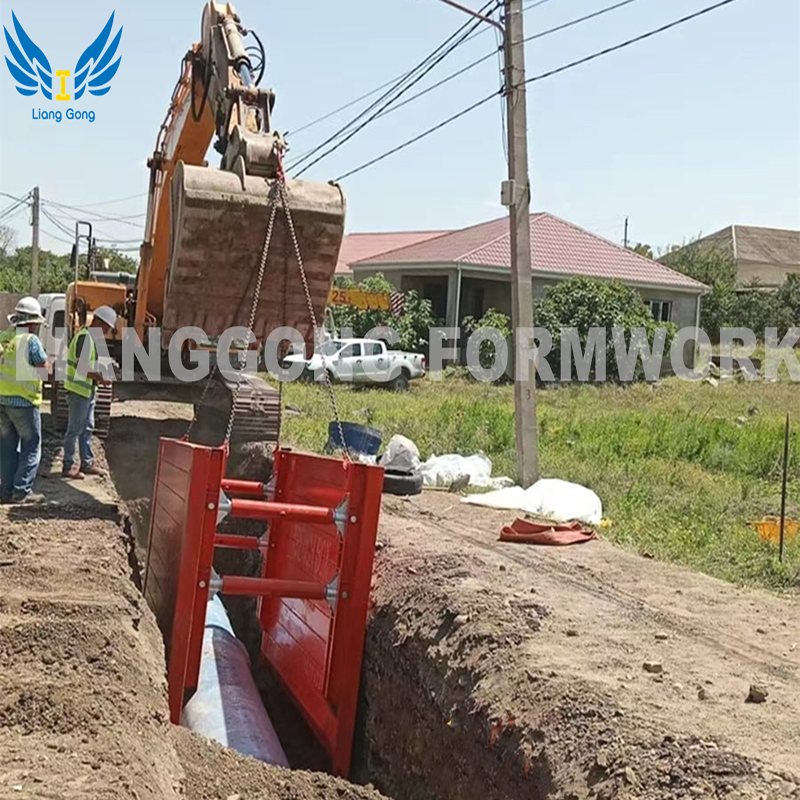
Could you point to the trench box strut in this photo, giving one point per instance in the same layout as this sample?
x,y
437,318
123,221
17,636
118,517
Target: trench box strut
x,y
316,573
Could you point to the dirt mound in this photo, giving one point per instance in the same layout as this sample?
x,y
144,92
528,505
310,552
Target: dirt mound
x,y
215,772
520,670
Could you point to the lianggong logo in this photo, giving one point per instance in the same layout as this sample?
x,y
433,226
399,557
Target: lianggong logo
x,y
32,73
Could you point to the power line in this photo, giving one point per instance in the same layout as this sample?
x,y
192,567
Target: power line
x,y
111,202
411,78
540,77
482,59
60,225
95,214
578,20
534,5
422,135
11,210
396,80
57,237
629,42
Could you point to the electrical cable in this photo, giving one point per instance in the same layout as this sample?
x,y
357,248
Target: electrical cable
x,y
96,214
478,61
60,225
11,210
399,88
111,202
383,108
422,135
629,42
540,77
14,197
56,236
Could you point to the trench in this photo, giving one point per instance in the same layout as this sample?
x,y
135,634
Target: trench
x,y
407,743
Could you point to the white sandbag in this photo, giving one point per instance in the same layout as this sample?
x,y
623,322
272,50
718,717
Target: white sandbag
x,y
443,470
401,454
551,498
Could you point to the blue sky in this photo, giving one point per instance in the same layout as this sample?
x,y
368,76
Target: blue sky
x,y
684,133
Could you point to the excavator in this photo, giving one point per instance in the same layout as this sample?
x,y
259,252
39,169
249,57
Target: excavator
x,y
205,229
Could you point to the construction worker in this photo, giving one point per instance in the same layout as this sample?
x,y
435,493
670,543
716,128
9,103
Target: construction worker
x,y
20,399
80,387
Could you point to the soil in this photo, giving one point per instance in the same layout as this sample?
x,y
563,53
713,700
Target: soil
x,y
83,708
570,672
491,670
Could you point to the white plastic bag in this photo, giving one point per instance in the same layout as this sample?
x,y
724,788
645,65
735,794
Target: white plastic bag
x,y
443,470
401,454
552,498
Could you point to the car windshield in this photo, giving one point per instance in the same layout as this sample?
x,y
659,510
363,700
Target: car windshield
x,y
331,348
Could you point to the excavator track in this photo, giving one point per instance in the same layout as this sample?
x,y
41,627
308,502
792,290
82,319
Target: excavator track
x,y
59,409
258,408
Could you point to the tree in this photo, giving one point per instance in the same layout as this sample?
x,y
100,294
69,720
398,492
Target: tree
x,y
491,319
585,303
715,267
412,325
15,271
643,250
6,239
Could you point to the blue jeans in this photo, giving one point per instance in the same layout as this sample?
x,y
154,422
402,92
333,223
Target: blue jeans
x,y
20,450
79,429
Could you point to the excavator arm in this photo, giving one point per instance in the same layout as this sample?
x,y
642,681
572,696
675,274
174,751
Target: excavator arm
x,y
205,227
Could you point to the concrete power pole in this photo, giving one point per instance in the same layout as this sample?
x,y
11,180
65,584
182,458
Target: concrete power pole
x,y
35,244
518,197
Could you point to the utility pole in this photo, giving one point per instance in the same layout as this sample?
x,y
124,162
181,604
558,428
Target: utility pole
x,y
35,244
625,240
518,196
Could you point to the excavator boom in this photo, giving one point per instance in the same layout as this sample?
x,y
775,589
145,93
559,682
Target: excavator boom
x,y
206,226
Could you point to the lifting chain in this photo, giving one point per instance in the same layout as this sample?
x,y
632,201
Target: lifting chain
x,y
310,303
273,211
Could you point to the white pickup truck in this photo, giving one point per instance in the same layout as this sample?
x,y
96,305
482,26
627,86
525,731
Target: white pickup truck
x,y
361,361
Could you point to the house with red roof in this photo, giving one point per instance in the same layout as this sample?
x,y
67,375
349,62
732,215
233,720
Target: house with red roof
x,y
466,272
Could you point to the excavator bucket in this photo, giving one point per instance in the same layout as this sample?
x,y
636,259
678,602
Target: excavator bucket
x,y
219,223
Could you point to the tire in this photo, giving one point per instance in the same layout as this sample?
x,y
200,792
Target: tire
x,y
400,382
402,483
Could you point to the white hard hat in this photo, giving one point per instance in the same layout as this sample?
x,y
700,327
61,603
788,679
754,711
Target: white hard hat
x,y
27,311
106,314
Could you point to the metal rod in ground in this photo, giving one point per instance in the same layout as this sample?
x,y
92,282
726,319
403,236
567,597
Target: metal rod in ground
x,y
783,488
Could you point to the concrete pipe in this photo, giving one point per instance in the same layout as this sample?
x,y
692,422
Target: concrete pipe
x,y
227,706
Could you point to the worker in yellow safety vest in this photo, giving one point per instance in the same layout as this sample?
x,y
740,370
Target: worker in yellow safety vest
x,y
82,375
21,352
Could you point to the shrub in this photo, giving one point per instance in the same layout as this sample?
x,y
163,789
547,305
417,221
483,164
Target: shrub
x,y
585,303
491,319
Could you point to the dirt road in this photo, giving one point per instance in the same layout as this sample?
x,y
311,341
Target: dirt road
x,y
587,671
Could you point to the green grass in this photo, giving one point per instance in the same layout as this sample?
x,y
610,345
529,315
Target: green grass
x,y
681,468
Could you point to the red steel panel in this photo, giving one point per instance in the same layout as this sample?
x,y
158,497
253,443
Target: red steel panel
x,y
317,652
180,551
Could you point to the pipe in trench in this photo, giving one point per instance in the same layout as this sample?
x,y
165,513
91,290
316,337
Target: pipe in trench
x,y
227,706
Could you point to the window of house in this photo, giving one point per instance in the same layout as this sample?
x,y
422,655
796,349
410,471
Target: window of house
x,y
661,309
